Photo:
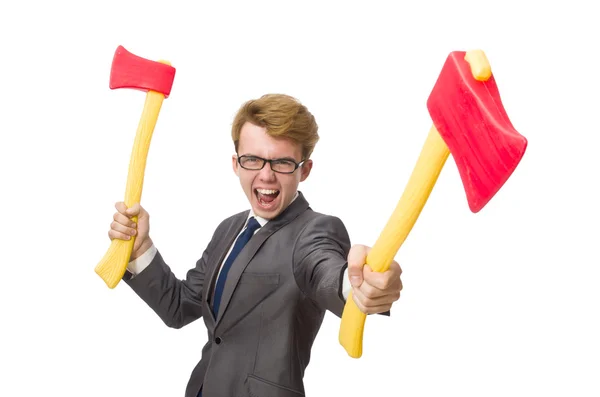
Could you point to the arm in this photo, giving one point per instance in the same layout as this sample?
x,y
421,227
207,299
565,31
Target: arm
x,y
319,260
321,265
176,302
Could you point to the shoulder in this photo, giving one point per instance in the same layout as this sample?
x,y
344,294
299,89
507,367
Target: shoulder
x,y
316,220
233,219
321,239
226,225
321,230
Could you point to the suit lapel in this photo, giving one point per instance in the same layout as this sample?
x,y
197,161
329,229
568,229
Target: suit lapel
x,y
245,256
220,251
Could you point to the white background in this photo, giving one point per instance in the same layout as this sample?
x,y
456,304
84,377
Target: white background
x,y
503,302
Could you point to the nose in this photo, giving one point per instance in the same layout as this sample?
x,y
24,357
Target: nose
x,y
267,174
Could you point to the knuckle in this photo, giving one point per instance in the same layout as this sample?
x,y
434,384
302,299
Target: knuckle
x,y
358,303
368,292
389,281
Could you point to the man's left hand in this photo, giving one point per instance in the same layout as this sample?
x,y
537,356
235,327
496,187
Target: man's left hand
x,y
373,292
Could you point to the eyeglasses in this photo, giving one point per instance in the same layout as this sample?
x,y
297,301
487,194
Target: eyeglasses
x,y
282,166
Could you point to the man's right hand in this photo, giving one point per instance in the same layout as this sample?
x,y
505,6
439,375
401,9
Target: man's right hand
x,y
124,228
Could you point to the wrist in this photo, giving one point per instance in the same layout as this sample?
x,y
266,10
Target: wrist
x,y
145,246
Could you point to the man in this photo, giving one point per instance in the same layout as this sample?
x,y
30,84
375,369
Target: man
x,y
262,310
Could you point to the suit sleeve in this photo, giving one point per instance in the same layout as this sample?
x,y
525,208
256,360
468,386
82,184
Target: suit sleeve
x,y
320,259
176,302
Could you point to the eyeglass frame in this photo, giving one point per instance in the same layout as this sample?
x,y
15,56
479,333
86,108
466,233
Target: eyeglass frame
x,y
265,161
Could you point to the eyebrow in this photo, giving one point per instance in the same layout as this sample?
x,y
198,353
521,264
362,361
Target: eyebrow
x,y
286,158
278,158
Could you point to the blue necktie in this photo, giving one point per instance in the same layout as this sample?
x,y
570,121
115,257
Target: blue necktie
x,y
239,244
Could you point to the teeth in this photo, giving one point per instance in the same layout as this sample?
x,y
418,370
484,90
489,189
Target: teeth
x,y
266,191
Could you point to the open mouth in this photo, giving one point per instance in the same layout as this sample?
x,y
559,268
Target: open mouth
x,y
266,197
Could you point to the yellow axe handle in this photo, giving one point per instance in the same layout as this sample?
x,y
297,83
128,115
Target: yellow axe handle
x,y
114,263
424,176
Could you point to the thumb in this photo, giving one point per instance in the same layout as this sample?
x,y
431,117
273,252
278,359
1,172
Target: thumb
x,y
357,258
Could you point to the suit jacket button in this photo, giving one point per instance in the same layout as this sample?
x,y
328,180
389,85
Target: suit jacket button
x,y
218,341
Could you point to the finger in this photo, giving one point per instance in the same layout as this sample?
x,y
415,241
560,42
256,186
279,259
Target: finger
x,y
113,234
143,212
395,268
379,309
396,285
369,290
359,304
121,207
375,301
383,280
134,210
370,309
122,229
356,260
123,220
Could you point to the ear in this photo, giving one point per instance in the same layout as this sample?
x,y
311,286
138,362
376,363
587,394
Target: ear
x,y
305,170
234,164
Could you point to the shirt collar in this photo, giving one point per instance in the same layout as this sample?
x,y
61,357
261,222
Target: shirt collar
x,y
263,221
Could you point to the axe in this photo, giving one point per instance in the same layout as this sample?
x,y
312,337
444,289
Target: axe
x,y
156,79
470,122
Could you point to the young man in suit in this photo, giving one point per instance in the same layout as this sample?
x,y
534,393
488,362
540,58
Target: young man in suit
x,y
268,274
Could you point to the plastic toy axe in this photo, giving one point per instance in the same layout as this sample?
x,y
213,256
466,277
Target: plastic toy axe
x,y
155,78
470,122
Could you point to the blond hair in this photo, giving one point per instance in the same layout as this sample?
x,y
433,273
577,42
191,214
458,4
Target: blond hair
x,y
282,116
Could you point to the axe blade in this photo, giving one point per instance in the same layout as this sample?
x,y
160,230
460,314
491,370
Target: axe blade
x,y
470,118
131,71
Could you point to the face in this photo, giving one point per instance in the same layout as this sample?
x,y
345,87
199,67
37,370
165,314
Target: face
x,y
268,192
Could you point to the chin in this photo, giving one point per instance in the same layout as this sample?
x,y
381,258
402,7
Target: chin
x,y
264,213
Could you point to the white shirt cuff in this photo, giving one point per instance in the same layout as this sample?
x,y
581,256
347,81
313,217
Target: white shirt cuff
x,y
346,286
137,265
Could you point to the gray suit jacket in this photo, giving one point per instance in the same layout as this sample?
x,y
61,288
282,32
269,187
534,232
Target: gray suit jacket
x,y
274,301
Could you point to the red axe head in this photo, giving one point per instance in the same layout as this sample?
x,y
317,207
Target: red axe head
x,y
132,71
471,119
